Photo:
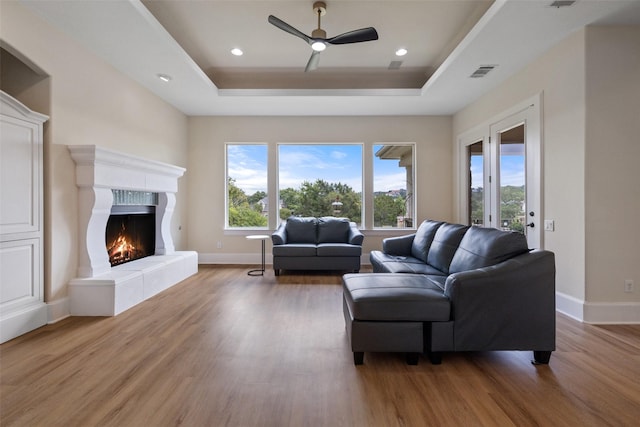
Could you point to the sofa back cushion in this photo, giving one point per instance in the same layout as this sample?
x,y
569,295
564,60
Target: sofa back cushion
x,y
423,239
333,230
444,245
482,247
301,229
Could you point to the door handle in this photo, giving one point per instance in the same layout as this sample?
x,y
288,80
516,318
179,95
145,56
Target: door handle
x,y
531,224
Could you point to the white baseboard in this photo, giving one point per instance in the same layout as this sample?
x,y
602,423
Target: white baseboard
x,y
598,312
252,258
570,306
612,312
58,310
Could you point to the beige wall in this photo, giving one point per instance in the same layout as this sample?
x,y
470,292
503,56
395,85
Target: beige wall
x,y
88,102
612,156
208,135
590,88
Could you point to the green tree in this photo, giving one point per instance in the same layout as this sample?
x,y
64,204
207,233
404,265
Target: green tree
x,y
241,212
317,198
387,209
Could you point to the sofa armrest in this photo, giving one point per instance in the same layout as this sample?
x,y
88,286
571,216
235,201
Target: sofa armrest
x,y
400,245
507,306
355,236
279,237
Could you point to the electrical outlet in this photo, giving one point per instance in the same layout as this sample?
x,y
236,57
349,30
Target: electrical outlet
x,y
219,244
628,285
549,225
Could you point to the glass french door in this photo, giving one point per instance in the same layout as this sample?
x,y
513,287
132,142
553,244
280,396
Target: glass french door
x,y
502,166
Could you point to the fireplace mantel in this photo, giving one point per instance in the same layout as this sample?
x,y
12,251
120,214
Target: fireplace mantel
x,y
104,290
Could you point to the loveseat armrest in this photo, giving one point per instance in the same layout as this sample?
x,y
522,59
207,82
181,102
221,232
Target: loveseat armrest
x,y
355,236
279,237
400,245
507,306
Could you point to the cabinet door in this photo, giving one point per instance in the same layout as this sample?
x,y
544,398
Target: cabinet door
x,y
20,284
19,176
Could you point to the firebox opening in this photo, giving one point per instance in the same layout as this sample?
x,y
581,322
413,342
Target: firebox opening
x,y
131,233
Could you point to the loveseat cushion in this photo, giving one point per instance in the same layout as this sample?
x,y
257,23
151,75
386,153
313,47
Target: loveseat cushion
x,y
423,239
444,245
333,230
294,250
482,247
301,229
338,249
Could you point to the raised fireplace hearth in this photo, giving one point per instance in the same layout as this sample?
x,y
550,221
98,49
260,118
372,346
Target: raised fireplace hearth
x,y
116,272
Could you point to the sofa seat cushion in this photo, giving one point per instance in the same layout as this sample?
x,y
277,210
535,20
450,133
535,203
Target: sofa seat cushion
x,y
295,250
338,249
394,297
385,263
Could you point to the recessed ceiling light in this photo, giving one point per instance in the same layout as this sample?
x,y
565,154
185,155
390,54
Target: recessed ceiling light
x,y
164,77
401,52
237,52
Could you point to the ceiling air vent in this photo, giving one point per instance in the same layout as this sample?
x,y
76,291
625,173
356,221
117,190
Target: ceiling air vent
x,y
482,71
395,65
562,3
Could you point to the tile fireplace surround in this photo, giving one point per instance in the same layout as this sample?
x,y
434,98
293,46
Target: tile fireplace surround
x,y
102,290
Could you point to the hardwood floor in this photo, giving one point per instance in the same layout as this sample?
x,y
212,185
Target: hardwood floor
x,y
223,348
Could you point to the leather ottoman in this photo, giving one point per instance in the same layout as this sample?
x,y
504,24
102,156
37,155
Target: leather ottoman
x,y
387,312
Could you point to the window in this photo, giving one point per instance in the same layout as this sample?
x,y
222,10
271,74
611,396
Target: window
x,y
247,201
320,180
393,189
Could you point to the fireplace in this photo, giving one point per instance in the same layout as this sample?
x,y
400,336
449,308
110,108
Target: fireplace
x,y
123,194
131,233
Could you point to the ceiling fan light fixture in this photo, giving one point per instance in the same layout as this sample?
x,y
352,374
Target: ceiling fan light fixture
x,y
237,51
401,52
164,77
318,46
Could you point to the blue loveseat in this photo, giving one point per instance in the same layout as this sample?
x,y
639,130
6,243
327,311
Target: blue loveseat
x,y
310,243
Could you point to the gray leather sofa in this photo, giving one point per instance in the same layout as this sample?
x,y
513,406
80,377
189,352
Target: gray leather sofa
x,y
309,243
449,287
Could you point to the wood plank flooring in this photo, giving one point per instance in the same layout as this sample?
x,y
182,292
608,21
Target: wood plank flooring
x,y
225,349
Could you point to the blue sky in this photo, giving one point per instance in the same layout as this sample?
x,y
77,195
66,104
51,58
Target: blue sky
x,y
247,164
512,170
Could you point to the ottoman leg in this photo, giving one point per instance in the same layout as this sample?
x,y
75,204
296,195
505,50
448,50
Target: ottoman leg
x,y
358,357
435,357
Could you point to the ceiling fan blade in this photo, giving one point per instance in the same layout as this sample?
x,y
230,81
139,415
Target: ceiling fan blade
x,y
288,28
313,62
355,36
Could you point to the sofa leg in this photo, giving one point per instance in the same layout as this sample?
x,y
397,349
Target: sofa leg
x,y
412,358
435,357
358,357
276,271
541,357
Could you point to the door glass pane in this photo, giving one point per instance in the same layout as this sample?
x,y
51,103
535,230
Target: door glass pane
x,y
512,180
476,184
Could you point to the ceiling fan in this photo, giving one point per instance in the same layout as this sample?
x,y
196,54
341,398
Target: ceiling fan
x,y
319,40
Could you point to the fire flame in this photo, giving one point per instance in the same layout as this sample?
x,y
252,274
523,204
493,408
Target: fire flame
x,y
122,250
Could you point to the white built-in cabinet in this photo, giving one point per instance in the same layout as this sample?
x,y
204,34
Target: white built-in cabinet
x,y
22,306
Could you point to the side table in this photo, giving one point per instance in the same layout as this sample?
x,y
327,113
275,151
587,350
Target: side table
x,y
263,237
